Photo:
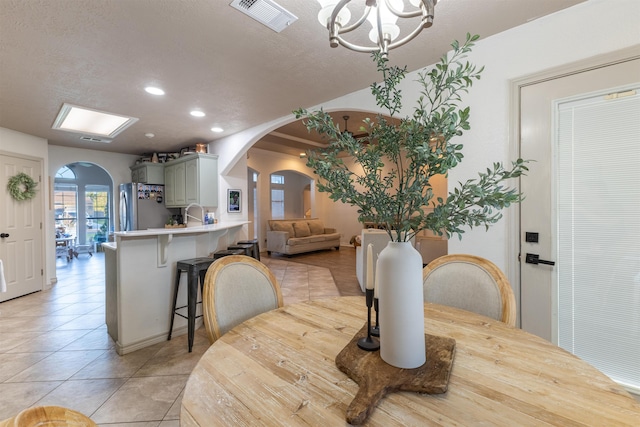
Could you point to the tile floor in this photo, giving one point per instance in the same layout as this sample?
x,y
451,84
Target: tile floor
x,y
55,350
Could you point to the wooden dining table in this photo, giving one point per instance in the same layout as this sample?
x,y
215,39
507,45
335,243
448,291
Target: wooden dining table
x,y
278,369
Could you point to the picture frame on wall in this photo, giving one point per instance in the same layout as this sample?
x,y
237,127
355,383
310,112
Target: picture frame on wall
x,y
234,200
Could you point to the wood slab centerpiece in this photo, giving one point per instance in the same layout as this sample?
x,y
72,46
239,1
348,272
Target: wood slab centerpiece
x,y
377,378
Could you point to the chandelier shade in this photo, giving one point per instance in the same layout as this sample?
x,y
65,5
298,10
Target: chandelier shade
x,y
382,15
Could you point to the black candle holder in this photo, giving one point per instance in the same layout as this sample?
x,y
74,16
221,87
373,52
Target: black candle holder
x,y
368,343
375,331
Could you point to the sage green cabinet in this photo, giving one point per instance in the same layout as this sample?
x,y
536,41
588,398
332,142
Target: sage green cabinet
x,y
191,179
174,185
148,173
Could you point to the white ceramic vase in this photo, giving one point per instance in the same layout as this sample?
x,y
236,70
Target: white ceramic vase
x,y
401,305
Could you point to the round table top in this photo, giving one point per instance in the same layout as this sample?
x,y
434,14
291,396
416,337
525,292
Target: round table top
x,y
279,369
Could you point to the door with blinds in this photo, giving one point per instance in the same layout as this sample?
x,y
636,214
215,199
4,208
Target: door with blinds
x,y
580,225
598,196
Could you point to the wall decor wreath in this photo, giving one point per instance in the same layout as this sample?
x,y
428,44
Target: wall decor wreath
x,y
22,187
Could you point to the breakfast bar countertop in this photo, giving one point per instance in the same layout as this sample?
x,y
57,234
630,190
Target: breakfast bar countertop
x,y
184,230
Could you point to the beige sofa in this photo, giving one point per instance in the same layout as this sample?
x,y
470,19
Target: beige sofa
x,y
295,236
430,248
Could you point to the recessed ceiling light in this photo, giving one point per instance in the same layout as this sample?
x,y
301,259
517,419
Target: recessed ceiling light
x,y
197,113
73,118
154,90
216,129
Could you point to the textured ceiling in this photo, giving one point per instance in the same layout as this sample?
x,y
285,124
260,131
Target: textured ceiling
x,y
205,54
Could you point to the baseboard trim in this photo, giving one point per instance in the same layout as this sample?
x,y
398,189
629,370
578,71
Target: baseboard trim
x,y
147,342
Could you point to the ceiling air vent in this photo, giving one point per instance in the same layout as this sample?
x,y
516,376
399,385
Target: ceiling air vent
x,y
95,139
266,12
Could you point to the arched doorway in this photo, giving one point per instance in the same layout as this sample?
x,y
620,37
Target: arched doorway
x,y
83,208
287,190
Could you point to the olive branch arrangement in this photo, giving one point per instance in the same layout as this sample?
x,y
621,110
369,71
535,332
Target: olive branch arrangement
x,y
389,178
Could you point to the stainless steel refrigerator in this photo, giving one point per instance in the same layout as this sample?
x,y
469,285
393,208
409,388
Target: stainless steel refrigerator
x,y
142,207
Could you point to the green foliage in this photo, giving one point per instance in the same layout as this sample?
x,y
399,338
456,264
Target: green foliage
x,y
21,187
101,235
390,179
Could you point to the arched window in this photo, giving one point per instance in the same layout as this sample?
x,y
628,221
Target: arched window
x,y
65,173
82,203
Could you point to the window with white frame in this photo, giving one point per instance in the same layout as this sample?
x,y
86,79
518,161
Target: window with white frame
x,y
277,196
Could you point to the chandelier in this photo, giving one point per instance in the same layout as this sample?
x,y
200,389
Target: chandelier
x,y
382,15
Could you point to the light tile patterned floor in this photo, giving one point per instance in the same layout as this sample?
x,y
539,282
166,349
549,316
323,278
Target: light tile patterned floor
x,y
55,350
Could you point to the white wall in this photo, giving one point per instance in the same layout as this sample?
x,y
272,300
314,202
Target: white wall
x,y
294,184
54,157
586,30
580,32
116,164
338,215
21,143
235,179
266,163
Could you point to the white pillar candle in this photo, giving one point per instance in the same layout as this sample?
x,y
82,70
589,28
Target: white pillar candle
x,y
370,266
376,284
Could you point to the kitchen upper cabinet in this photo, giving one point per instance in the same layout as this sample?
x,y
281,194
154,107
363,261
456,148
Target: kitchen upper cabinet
x,y
175,185
148,173
191,179
169,185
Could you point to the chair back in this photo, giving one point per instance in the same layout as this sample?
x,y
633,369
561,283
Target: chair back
x,y
470,283
48,416
237,288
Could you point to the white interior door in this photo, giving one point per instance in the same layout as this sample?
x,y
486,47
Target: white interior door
x,y
539,210
581,213
21,225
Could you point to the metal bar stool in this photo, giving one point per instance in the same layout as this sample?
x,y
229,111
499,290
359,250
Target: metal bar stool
x,y
227,252
196,268
256,247
247,248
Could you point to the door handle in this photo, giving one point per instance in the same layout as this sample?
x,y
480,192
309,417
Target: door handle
x,y
535,259
3,235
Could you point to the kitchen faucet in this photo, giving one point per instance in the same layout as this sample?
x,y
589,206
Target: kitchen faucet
x,y
187,216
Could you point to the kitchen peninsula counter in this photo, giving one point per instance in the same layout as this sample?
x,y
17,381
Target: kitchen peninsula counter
x,y
140,269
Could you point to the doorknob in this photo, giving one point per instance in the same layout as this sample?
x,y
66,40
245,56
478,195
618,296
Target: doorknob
x,y
3,235
535,259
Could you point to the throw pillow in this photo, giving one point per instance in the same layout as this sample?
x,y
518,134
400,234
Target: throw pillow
x,y
301,229
316,227
283,226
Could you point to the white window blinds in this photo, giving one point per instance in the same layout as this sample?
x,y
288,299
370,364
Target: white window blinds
x,y
598,200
